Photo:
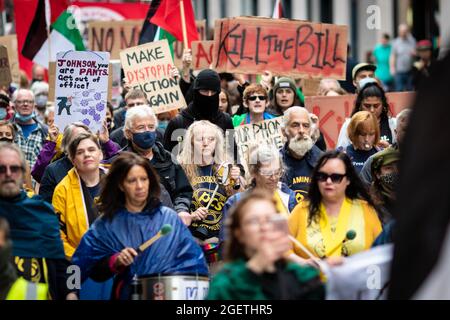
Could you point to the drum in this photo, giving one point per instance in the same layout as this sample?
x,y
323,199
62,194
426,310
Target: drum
x,y
174,287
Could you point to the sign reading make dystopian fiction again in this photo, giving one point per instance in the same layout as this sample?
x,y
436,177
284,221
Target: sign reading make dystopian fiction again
x,y
285,47
148,67
81,88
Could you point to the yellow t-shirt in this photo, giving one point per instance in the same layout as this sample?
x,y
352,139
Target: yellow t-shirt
x,y
324,238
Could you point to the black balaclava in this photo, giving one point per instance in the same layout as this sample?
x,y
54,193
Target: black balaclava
x,y
206,107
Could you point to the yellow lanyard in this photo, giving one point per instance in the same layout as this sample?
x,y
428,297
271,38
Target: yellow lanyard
x,y
330,239
281,208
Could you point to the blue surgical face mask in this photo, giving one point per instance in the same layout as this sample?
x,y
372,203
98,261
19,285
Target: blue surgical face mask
x,y
163,124
41,100
3,113
22,118
144,140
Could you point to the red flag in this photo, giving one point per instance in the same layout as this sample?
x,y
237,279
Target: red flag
x,y
24,11
168,17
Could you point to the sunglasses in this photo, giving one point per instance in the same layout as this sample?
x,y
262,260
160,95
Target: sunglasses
x,y
335,177
12,169
261,98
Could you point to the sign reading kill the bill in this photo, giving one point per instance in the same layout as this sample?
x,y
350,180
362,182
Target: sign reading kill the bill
x,y
148,67
285,47
250,136
81,88
202,54
332,111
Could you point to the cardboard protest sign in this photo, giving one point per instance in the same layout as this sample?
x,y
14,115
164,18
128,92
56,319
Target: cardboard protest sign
x,y
332,111
285,47
113,37
10,42
5,72
202,54
178,46
249,136
81,88
148,67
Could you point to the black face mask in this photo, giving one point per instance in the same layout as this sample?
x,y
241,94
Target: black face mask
x,y
5,139
206,107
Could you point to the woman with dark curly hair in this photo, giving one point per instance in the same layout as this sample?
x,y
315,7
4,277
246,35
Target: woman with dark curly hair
x,y
371,98
132,214
339,208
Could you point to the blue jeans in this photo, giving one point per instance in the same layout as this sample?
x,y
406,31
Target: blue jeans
x,y
403,81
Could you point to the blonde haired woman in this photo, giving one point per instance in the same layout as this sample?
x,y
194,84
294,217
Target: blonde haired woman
x,y
203,158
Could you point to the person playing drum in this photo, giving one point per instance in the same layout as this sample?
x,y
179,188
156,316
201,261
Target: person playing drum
x,y
132,214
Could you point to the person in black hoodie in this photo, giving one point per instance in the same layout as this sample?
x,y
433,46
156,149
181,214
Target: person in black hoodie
x,y
204,106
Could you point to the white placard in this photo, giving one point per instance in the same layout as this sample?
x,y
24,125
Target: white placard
x,y
81,88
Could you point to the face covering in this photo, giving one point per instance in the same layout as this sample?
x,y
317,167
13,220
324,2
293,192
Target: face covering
x,y
206,107
3,113
144,140
7,270
163,124
22,118
388,183
41,101
5,139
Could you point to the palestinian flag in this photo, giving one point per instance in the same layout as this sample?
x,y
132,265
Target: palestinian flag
x,y
64,36
151,32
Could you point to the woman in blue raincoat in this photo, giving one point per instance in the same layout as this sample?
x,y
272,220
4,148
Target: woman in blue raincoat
x,y
131,214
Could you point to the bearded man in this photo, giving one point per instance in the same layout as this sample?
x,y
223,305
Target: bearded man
x,y
299,154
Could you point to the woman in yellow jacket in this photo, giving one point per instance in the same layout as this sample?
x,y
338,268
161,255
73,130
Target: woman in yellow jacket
x,y
339,219
75,196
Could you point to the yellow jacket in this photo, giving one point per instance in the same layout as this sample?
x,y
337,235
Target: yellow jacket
x,y
70,206
362,218
25,290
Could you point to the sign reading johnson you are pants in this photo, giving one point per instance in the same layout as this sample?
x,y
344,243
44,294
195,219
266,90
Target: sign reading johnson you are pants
x,y
285,47
148,67
81,88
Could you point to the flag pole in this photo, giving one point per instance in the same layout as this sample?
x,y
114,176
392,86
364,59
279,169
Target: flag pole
x,y
183,25
48,23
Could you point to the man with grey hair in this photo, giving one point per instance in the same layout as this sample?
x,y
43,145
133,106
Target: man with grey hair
x,y
38,250
30,132
402,123
299,154
140,131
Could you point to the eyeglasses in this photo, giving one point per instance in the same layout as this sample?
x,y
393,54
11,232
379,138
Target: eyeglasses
x,y
335,177
13,169
205,139
261,98
24,101
268,174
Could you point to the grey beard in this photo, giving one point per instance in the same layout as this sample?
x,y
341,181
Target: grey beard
x,y
300,146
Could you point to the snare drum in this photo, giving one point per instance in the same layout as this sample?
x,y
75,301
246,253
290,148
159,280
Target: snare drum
x,y
174,287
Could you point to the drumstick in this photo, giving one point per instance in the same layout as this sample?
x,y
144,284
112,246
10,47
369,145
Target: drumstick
x,y
301,246
164,230
212,197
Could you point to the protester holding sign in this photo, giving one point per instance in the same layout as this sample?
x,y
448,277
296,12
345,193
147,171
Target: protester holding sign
x,y
204,106
299,154
371,98
256,100
256,267
203,158
364,135
339,219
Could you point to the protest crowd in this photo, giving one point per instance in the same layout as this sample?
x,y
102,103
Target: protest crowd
x,y
252,177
